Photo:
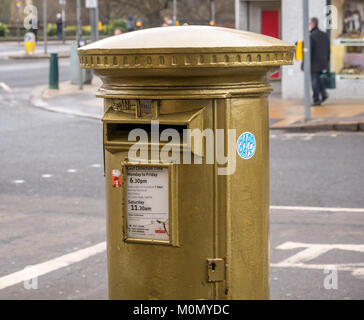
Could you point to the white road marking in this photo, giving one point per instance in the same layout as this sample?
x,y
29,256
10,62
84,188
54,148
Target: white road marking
x,y
304,136
47,175
313,250
71,170
96,165
310,251
5,87
19,181
308,137
52,265
322,209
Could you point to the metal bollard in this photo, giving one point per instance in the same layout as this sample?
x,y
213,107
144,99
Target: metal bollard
x,y
53,71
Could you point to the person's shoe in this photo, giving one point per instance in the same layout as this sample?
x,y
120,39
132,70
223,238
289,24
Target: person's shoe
x,y
324,99
316,104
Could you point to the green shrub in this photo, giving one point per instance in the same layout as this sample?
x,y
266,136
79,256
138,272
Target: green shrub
x,y
71,30
114,24
3,29
86,30
51,30
104,31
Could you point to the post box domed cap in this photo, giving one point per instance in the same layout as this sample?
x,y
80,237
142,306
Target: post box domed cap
x,y
185,45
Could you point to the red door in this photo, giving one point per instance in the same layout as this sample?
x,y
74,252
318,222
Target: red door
x,y
271,27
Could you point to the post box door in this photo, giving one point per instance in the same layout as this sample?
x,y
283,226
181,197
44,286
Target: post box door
x,y
180,265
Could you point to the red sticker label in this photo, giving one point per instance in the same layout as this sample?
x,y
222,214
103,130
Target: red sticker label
x,y
116,178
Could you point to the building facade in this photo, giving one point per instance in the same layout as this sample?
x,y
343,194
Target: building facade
x,y
283,19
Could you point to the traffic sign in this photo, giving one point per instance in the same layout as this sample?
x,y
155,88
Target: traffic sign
x,y
91,4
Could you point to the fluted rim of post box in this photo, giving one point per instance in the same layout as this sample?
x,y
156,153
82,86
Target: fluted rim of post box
x,y
185,47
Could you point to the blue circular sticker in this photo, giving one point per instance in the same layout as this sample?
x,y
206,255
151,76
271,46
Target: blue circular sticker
x,y
246,145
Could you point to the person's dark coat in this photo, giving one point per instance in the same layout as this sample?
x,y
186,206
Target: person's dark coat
x,y
320,50
34,30
59,25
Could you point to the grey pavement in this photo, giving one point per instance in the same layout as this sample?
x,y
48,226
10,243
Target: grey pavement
x,y
343,115
70,99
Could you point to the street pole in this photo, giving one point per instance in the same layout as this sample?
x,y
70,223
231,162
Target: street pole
x,y
237,14
79,21
306,60
328,30
79,35
212,7
63,21
18,4
45,23
174,12
97,19
94,20
93,24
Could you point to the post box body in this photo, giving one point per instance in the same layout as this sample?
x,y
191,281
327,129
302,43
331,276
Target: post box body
x,y
183,229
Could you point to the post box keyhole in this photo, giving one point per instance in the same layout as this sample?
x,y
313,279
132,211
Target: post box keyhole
x,y
213,266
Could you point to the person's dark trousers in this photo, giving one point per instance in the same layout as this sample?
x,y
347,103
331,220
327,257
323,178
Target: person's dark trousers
x,y
318,88
35,32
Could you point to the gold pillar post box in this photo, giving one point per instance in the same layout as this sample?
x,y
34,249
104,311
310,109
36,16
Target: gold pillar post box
x,y
186,147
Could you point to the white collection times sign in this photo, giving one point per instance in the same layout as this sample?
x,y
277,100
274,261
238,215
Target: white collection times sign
x,y
147,202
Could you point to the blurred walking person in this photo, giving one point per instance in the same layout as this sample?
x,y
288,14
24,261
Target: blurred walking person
x,y
59,26
320,57
34,23
117,31
130,24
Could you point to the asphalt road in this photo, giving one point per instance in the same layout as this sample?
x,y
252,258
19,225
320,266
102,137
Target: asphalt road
x,y
51,198
52,203
324,170
30,72
12,47
22,73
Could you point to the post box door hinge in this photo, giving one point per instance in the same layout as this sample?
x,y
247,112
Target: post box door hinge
x,y
215,270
